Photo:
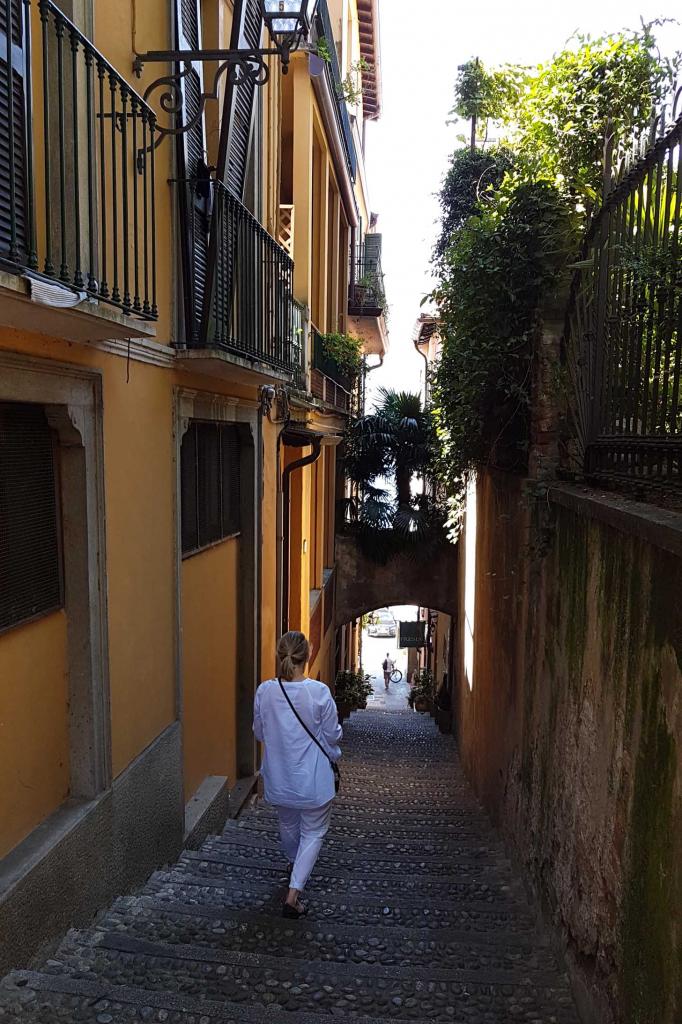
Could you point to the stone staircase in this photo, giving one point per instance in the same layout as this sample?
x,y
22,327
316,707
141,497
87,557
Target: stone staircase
x,y
415,915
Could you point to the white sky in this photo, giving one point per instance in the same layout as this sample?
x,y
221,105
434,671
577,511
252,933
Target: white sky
x,y
408,148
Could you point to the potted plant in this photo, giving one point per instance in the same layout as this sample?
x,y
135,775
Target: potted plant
x,y
351,692
420,697
443,710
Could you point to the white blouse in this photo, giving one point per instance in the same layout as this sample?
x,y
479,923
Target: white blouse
x,y
295,771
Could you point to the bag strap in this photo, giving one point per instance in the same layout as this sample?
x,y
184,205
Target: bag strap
x,y
312,736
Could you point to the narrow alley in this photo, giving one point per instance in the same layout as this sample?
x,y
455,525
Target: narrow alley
x,y
415,913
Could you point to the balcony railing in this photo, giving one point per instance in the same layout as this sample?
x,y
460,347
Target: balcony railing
x,y
366,295
327,380
76,162
242,283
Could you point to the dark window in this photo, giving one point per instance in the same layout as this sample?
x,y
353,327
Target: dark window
x,y
30,562
210,484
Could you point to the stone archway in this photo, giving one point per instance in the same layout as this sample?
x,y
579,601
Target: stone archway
x,y
362,585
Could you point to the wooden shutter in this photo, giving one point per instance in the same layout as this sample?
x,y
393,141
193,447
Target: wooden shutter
x,y
12,156
247,27
30,562
192,170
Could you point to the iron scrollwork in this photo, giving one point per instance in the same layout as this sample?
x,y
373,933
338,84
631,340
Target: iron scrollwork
x,y
238,66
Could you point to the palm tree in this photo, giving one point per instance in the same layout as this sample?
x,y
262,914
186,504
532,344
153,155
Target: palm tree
x,y
394,443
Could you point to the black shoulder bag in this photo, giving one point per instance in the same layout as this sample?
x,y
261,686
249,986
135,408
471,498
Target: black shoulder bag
x,y
334,765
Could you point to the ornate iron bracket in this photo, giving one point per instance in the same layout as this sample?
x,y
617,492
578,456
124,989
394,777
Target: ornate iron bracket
x,y
239,66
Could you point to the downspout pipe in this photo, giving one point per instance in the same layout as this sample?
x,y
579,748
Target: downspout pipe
x,y
307,460
426,370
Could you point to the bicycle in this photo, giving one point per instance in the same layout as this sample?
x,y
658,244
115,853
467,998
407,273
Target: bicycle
x,y
396,675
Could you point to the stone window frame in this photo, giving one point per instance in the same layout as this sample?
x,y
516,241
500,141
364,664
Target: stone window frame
x,y
72,399
191,404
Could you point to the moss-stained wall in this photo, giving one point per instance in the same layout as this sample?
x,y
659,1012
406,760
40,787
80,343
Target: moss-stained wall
x,y
572,735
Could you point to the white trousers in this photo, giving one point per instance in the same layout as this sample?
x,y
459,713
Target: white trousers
x,y
302,832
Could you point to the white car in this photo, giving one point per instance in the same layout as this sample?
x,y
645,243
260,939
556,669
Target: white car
x,y
383,625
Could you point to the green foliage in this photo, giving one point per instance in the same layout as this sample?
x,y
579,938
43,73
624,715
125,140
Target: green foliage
x,y
345,350
503,263
470,177
423,687
352,688
323,51
350,88
396,441
511,225
484,94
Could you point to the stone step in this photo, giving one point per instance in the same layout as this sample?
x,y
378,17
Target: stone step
x,y
183,924
252,850
410,845
366,827
287,984
386,838
417,886
44,999
361,910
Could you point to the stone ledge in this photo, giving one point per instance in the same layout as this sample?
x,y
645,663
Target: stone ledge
x,y
91,320
207,811
656,526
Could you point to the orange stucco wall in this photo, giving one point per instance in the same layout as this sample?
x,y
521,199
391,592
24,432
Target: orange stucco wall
x,y
139,487
209,663
269,625
34,749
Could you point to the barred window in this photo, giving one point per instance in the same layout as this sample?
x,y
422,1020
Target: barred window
x,y
30,556
210,484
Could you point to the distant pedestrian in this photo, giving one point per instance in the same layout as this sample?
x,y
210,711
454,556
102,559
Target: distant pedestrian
x,y
389,669
295,717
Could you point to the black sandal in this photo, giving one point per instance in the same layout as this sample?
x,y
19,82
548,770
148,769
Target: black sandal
x,y
294,912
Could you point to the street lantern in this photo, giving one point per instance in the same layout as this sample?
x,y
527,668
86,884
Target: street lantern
x,y
288,23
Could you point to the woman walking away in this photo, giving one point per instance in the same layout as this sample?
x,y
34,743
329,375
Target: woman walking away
x,y
295,717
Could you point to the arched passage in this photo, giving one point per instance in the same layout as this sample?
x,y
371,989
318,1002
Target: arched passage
x,y
362,585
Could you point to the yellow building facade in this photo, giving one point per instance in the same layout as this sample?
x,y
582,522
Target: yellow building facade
x,y
170,420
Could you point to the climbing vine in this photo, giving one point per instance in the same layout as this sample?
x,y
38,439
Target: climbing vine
x,y
512,217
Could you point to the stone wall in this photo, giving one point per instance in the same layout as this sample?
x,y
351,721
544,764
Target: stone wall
x,y
572,731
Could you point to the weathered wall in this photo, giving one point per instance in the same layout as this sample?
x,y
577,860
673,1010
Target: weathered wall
x,y
572,733
362,585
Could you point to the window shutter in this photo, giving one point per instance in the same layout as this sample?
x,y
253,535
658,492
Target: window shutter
x,y
12,154
195,195
30,562
210,484
247,28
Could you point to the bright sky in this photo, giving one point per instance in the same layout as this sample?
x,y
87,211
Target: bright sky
x,y
408,148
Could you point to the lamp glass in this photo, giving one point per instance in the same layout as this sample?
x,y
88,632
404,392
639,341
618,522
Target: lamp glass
x,y
285,17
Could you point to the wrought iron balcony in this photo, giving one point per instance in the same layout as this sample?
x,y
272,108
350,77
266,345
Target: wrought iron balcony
x,y
76,163
241,283
366,294
327,381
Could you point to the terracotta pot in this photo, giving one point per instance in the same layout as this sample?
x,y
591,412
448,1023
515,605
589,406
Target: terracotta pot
x,y
422,704
343,710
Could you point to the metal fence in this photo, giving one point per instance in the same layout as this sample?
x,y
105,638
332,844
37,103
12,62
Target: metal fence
x,y
77,166
623,338
250,309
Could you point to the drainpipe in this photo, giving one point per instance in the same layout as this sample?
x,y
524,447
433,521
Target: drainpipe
x,y
426,370
300,441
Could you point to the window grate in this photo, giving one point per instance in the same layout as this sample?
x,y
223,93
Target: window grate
x,y
210,484
30,561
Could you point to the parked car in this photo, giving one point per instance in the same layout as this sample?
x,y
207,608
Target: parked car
x,y
383,624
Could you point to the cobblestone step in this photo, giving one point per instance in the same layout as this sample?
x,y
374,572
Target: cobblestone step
x,y
285,983
237,848
189,925
415,915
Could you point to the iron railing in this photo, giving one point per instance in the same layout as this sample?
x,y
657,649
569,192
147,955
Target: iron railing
x,y
327,381
250,310
77,196
323,27
623,337
366,296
